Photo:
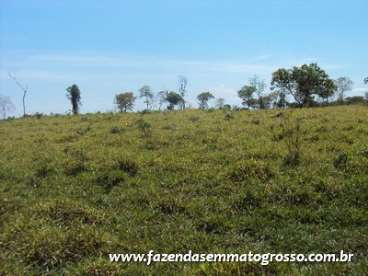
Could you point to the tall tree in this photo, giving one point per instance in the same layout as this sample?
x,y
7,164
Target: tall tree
x,y
125,101
343,85
303,83
203,99
161,97
24,90
146,93
74,95
246,93
6,106
183,83
260,86
173,99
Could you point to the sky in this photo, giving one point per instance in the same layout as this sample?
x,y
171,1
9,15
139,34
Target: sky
x,y
108,47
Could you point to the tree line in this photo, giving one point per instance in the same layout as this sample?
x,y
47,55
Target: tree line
x,y
304,86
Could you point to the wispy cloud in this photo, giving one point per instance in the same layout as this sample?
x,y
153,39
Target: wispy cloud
x,y
49,65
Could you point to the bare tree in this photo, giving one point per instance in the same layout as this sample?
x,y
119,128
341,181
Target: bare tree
x,y
6,106
146,93
183,82
220,102
161,96
24,89
343,84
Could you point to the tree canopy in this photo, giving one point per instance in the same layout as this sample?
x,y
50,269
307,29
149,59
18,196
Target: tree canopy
x,y
173,99
125,101
203,99
303,83
246,94
74,95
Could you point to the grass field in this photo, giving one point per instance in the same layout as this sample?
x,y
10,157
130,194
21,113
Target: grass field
x,y
75,188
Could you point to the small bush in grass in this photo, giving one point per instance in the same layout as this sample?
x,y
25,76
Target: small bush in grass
x,y
255,121
169,127
116,130
144,127
52,248
292,135
44,168
292,158
76,162
74,167
194,119
110,179
249,201
66,212
251,169
128,166
228,116
170,206
83,130
341,160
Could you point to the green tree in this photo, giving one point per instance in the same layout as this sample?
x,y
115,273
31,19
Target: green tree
x,y
303,83
173,99
203,99
146,93
343,85
125,101
74,95
246,93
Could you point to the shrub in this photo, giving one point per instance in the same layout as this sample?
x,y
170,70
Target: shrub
x,y
228,116
194,119
249,169
255,121
249,201
116,130
291,133
341,160
74,167
52,248
128,166
83,130
110,179
144,127
43,166
66,212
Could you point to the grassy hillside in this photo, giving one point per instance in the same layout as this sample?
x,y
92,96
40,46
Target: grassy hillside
x,y
73,189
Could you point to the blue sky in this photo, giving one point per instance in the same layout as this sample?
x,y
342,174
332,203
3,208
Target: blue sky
x,y
112,46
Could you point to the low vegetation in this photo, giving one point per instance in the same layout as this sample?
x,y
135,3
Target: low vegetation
x,y
75,188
